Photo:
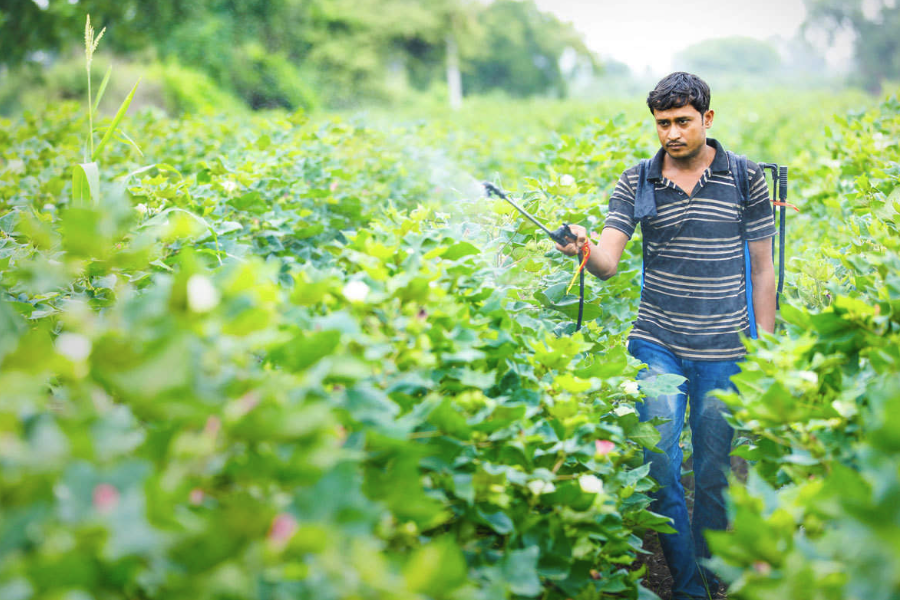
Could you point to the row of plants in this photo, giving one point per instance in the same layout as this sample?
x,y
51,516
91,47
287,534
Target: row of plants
x,y
278,357
280,361
818,403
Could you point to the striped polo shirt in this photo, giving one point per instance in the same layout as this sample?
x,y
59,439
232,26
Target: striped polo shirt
x,y
693,299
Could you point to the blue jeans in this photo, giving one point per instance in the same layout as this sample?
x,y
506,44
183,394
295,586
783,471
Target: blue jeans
x,y
711,436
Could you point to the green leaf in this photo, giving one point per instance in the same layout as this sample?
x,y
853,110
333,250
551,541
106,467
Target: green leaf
x,y
162,167
436,569
498,521
555,297
120,114
611,363
305,349
251,202
85,183
165,369
82,232
459,250
747,452
644,434
11,327
399,486
125,138
520,571
448,420
663,384
502,416
101,90
463,488
9,221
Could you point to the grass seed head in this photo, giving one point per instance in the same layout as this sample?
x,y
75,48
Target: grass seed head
x,y
90,42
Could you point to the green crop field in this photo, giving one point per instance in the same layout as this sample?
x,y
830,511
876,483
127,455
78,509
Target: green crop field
x,y
286,356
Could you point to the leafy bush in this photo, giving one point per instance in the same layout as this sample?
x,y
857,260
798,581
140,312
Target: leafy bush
x,y
186,90
267,79
169,86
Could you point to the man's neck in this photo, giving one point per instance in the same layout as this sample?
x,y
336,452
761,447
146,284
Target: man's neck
x,y
699,162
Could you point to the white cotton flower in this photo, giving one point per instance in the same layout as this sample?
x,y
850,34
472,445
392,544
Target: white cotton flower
x,y
141,208
229,186
566,180
591,484
631,387
73,346
202,295
539,487
356,291
808,376
622,410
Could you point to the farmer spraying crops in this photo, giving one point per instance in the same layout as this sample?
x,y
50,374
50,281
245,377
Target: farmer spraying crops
x,y
706,244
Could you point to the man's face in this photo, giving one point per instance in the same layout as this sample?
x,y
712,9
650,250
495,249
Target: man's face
x,y
682,131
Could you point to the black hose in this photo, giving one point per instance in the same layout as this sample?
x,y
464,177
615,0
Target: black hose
x,y
581,293
782,189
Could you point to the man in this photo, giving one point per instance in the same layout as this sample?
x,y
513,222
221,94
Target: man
x,y
693,302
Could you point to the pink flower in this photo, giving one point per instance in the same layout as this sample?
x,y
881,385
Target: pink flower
x,y
248,401
196,497
763,568
333,186
604,447
213,424
106,497
283,527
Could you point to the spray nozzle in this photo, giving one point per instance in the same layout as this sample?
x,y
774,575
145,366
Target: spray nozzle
x,y
492,190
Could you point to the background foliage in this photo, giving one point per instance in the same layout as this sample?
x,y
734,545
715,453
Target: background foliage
x,y
277,355
301,53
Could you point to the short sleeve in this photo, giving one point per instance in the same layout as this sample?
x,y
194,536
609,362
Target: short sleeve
x,y
621,206
759,222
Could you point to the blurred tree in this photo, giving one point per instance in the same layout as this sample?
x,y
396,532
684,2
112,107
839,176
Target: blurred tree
x,y
458,22
802,58
353,44
521,50
29,25
729,55
875,25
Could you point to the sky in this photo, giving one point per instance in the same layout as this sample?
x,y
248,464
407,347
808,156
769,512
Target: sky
x,y
645,34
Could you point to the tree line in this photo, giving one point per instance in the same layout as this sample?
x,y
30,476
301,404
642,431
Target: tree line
x,y
290,53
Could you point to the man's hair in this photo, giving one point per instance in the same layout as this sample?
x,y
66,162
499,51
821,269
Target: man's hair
x,y
677,90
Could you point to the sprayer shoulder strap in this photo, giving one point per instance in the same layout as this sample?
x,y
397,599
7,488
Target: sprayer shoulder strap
x,y
644,195
738,163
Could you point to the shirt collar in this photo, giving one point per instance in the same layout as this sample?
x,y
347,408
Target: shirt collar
x,y
719,163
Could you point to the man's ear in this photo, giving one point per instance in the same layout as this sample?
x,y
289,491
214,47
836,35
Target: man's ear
x,y
708,118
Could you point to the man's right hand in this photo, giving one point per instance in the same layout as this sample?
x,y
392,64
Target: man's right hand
x,y
572,248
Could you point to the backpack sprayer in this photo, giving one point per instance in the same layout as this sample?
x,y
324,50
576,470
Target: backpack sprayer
x,y
779,190
562,236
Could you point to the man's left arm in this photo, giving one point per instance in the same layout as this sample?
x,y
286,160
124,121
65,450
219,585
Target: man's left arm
x,y
762,275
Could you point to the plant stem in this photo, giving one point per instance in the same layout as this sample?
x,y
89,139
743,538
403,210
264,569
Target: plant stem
x,y
90,115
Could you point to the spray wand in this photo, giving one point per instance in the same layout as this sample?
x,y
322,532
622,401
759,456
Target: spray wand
x,y
562,236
